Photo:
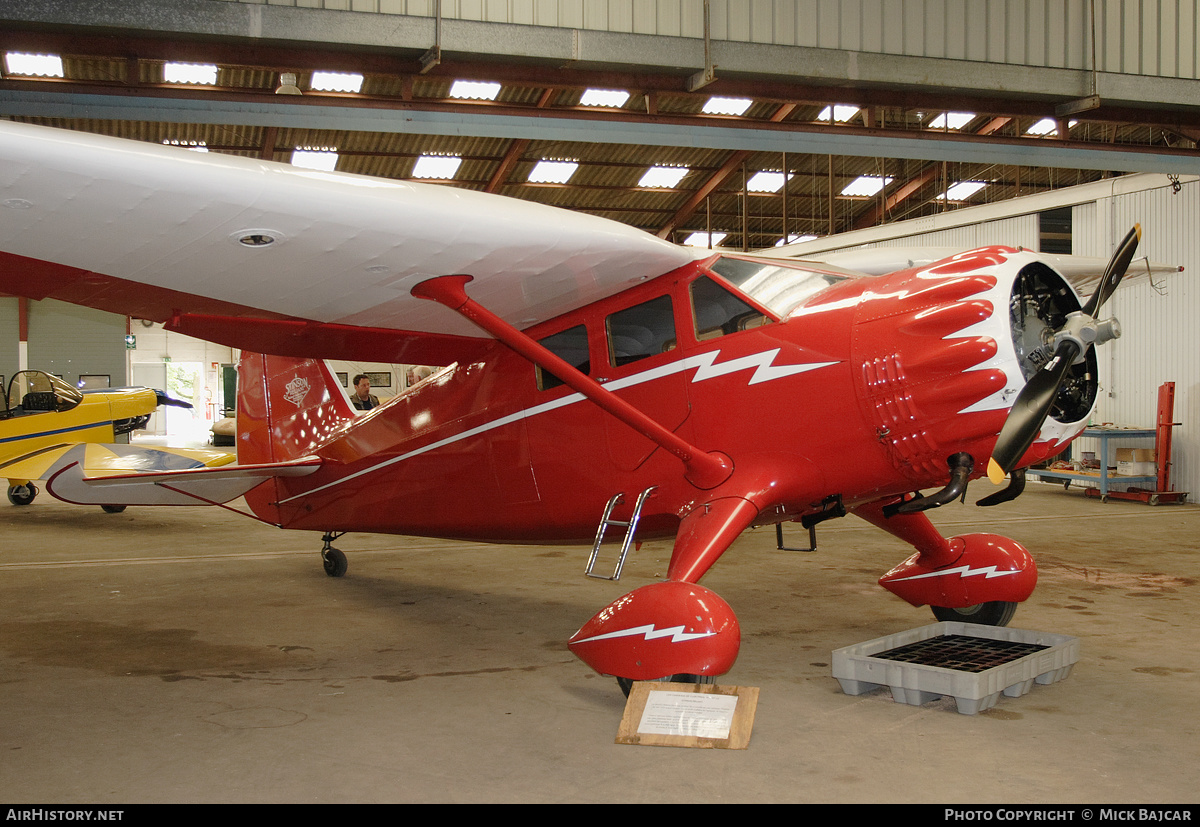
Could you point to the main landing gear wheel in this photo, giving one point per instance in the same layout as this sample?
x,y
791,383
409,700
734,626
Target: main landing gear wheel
x,y
333,559
335,562
626,684
22,494
112,509
993,613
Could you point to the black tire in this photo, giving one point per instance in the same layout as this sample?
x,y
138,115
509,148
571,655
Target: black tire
x,y
626,684
993,613
22,494
112,509
335,562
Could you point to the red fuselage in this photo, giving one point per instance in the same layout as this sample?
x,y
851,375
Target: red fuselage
x,y
862,390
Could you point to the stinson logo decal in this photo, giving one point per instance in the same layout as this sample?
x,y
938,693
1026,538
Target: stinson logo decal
x,y
296,390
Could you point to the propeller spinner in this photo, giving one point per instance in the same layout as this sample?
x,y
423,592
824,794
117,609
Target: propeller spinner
x,y
1071,341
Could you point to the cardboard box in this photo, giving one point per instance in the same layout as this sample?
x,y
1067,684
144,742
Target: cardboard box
x,y
1136,462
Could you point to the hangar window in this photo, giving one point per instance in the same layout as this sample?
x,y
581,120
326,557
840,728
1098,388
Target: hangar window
x,y
718,312
643,330
572,347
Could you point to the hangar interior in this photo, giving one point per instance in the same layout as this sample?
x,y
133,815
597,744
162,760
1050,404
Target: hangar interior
x,y
194,655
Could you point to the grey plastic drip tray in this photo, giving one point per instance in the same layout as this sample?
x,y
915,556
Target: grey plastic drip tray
x,y
974,664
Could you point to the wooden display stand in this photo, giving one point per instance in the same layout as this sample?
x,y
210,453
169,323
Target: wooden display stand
x,y
688,715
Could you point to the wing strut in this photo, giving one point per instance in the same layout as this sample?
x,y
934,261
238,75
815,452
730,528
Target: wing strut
x,y
704,470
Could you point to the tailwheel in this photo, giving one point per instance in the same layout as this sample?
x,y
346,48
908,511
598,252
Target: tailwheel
x,y
334,560
626,684
993,613
22,494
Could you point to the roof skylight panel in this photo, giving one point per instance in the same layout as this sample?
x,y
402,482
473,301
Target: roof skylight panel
x,y
962,190
202,74
866,185
336,82
727,106
474,90
663,177
839,113
952,120
703,239
21,63
552,172
321,158
436,166
766,181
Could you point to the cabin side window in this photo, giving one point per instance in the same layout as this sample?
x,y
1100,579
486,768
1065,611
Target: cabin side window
x,y
643,330
572,347
718,312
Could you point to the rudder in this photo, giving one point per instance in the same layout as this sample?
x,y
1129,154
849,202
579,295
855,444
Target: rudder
x,y
286,407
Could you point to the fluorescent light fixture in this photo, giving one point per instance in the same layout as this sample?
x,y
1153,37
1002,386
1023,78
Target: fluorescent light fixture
x,y
552,172
866,185
726,106
795,239
962,190
204,74
19,63
194,146
324,159
838,112
766,181
474,90
604,97
436,166
336,81
952,120
701,239
663,177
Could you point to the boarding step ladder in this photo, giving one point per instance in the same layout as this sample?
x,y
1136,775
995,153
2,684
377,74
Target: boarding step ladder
x,y
630,529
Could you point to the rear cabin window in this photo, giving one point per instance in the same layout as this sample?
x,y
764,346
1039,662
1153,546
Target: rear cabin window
x,y
572,347
718,312
643,330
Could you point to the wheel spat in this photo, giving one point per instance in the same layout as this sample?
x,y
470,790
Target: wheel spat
x,y
1081,331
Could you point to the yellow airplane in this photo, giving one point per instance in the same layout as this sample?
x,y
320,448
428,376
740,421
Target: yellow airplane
x,y
43,417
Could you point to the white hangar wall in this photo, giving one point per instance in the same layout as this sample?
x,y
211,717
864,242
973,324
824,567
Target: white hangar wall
x,y
1160,318
1139,37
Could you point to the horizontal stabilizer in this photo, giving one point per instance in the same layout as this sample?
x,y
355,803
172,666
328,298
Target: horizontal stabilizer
x,y
76,477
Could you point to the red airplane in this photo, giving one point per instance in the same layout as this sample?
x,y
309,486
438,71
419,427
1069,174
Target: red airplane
x,y
594,374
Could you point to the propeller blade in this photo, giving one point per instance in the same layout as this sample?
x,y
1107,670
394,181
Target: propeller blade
x,y
1115,271
1030,411
1037,397
163,399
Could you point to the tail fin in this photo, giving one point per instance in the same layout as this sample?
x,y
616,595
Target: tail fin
x,y
285,408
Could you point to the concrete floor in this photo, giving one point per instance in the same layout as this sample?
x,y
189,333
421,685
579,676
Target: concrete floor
x,y
193,655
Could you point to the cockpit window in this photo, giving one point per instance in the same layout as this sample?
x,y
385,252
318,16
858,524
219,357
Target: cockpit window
x,y
640,331
778,287
572,347
719,312
32,391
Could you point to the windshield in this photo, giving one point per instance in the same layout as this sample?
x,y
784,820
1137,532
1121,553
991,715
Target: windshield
x,y
34,391
778,287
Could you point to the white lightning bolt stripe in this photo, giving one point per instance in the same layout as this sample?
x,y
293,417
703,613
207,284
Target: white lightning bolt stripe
x,y
648,631
988,573
764,371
